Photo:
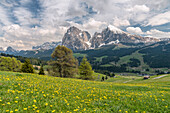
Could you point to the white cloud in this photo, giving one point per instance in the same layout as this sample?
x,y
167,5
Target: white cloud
x,y
119,22
4,19
139,8
24,37
24,16
53,15
91,26
15,43
134,30
160,19
158,34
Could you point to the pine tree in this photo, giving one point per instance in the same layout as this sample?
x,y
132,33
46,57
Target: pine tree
x,y
85,70
27,67
41,72
63,62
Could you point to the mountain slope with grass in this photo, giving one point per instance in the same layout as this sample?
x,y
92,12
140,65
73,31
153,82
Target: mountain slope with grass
x,y
40,93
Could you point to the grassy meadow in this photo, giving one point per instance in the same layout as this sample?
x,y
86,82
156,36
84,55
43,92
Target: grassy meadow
x,y
31,93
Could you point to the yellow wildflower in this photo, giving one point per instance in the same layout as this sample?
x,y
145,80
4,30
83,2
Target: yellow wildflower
x,y
25,109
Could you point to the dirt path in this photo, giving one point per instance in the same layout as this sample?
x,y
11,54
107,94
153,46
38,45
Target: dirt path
x,y
159,77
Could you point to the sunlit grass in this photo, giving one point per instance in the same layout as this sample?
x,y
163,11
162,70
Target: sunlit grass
x,y
38,93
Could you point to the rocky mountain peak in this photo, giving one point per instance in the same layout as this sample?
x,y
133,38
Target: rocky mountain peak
x,y
76,39
47,46
115,29
114,35
10,50
1,49
73,29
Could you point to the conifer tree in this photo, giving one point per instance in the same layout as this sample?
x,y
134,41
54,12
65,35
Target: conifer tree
x,y
85,70
41,72
27,67
64,64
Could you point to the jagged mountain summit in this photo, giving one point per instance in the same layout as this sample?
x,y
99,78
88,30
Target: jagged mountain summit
x,y
76,39
10,50
47,46
1,49
113,35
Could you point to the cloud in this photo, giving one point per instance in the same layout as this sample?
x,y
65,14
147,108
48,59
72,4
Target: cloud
x,y
37,21
24,17
118,22
4,19
139,8
158,34
15,43
24,38
159,19
134,30
91,25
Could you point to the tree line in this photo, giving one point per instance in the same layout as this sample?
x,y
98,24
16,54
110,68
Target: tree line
x,y
63,64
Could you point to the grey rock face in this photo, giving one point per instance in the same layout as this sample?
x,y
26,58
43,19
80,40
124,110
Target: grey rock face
x,y
1,49
113,35
76,39
10,50
47,46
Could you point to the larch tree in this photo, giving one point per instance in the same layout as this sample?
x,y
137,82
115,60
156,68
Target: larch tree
x,y
63,62
27,67
41,71
85,70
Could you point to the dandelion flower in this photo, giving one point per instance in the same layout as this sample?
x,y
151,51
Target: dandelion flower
x,y
53,111
25,109
46,104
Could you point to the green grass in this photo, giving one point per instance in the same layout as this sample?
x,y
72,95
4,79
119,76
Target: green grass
x,y
122,79
30,93
136,55
99,59
96,76
79,55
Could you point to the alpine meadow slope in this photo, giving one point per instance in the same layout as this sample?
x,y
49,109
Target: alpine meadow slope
x,y
40,93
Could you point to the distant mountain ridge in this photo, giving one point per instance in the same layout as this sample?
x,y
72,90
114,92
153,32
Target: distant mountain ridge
x,y
76,39
79,40
1,49
47,46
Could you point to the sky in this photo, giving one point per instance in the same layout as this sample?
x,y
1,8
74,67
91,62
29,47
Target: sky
x,y
27,23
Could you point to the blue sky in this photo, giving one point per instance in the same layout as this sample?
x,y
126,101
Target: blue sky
x,y
26,23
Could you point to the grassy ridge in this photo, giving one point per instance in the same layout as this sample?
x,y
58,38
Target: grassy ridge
x,y
35,93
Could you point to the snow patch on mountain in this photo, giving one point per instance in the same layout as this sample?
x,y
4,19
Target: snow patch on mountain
x,y
115,29
47,46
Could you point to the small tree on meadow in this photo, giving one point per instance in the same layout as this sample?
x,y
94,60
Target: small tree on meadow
x,y
102,78
41,72
27,67
85,70
63,62
106,77
112,75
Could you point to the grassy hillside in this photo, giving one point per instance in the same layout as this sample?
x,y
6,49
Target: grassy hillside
x,y
152,57
35,93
